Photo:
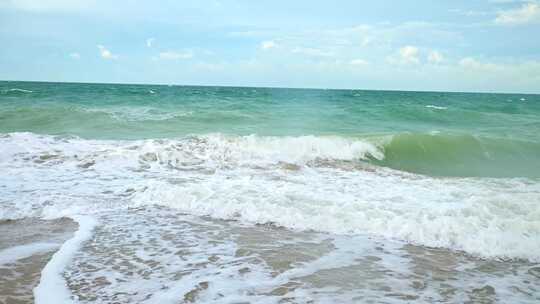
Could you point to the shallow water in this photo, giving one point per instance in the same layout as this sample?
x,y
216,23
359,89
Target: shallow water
x,y
236,195
158,255
26,245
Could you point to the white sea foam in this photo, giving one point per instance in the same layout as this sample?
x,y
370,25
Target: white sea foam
x,y
52,287
213,261
19,90
243,178
210,149
436,107
159,255
255,150
488,219
12,254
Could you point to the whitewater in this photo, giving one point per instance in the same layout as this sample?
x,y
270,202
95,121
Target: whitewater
x,y
233,213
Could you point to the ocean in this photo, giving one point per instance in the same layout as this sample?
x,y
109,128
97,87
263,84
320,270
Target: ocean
x,y
179,194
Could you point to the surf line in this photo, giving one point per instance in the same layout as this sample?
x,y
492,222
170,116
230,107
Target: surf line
x,y
52,287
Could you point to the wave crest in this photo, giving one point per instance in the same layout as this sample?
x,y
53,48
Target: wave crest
x,y
444,154
255,150
243,178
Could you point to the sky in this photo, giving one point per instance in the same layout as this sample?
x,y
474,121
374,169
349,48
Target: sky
x,y
478,46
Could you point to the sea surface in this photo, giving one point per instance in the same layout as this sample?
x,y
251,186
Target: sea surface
x,y
114,193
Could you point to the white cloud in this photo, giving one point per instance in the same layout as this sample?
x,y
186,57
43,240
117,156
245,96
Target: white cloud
x,y
366,41
75,55
405,55
48,5
312,52
527,13
470,13
435,57
491,75
505,1
250,34
470,63
172,55
269,44
150,42
358,62
105,53
209,66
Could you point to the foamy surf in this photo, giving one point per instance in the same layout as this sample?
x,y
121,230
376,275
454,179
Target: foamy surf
x,y
153,254
336,196
302,183
473,216
52,287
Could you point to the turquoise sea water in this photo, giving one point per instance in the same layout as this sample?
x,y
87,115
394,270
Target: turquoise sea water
x,y
261,195
434,133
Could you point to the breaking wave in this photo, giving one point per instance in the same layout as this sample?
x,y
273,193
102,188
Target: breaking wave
x,y
307,183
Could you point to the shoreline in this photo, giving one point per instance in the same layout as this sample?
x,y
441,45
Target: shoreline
x,y
26,247
205,255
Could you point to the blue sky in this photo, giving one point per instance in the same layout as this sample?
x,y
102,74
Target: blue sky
x,y
399,45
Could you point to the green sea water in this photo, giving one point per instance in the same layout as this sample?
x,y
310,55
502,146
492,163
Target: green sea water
x,y
223,194
431,133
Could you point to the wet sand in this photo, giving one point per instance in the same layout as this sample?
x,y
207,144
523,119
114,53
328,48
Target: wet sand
x,y
159,255
26,246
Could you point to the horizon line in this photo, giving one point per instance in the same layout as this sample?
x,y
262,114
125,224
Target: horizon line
x,y
272,87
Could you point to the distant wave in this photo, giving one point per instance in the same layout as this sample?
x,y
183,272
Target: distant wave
x,y
17,90
138,113
436,107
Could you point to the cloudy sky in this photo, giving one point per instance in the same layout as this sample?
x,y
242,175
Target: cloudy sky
x,y
490,45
